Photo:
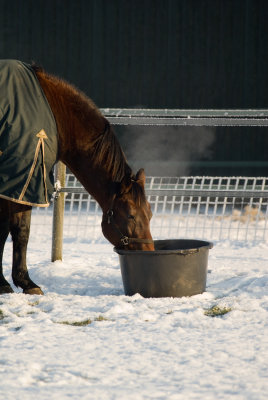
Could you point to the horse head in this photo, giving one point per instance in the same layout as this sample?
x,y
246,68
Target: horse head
x,y
126,221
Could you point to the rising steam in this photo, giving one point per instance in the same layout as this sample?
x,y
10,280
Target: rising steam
x,y
166,150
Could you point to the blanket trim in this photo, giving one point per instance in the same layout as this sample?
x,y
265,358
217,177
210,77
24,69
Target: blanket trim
x,y
40,145
26,203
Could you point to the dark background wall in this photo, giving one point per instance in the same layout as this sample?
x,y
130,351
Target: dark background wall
x,y
157,54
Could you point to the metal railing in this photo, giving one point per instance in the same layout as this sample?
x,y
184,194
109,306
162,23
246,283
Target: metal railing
x,y
181,118
212,208
133,116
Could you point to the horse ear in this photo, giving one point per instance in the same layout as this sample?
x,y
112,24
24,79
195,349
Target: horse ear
x,y
140,177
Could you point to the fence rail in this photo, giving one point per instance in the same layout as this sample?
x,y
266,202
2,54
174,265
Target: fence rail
x,y
188,192
132,116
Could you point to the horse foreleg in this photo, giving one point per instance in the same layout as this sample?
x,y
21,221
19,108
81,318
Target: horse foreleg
x,y
20,219
4,231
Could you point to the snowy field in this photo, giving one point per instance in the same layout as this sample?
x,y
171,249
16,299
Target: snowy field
x,y
86,340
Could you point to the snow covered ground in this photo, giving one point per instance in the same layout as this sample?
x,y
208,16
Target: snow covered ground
x,y
86,340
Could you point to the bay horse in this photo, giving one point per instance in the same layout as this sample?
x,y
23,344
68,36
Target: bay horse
x,y
88,146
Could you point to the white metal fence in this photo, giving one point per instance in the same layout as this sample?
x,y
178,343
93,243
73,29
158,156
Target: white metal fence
x,y
212,208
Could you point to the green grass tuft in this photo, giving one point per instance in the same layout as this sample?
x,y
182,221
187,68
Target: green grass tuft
x,y
101,318
85,322
216,311
78,323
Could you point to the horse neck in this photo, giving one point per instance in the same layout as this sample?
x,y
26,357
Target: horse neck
x,y
79,123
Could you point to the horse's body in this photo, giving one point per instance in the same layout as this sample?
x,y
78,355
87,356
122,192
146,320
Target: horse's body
x,y
87,145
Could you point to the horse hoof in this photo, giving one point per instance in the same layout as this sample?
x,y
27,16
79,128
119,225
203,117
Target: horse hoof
x,y
35,290
6,289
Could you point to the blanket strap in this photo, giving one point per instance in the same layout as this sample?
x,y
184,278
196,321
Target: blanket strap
x,y
40,144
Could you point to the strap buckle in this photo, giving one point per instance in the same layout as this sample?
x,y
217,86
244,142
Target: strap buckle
x,y
110,214
124,240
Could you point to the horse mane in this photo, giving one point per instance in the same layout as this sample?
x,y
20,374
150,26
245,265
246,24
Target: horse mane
x,y
107,150
98,139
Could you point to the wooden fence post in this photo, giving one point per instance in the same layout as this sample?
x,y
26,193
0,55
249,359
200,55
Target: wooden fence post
x,y
58,214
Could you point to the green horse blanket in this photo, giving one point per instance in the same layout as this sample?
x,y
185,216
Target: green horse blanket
x,y
28,137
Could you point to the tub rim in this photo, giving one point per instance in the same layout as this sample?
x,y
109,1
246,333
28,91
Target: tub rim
x,y
199,246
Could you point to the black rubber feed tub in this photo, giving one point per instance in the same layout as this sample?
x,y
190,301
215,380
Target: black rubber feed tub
x,y
176,268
